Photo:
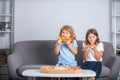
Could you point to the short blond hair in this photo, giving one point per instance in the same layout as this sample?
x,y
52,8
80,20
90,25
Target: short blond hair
x,y
70,29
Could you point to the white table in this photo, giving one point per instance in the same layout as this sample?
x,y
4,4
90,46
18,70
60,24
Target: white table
x,y
36,73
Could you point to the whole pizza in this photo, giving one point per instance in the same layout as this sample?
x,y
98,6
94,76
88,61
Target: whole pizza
x,y
60,69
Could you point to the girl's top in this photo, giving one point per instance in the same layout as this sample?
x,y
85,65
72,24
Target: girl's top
x,y
91,54
66,57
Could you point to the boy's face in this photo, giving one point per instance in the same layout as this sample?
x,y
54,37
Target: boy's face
x,y
65,34
92,38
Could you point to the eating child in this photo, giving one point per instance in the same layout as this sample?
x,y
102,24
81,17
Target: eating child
x,y
66,47
93,51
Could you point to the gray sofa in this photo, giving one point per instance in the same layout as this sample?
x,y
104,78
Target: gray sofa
x,y
32,54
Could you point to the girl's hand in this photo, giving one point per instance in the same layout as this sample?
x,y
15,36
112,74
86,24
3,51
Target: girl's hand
x,y
86,48
93,47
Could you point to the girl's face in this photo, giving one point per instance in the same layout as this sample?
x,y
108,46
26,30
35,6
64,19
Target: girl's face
x,y
65,34
92,38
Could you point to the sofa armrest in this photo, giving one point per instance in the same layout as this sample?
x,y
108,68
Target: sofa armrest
x,y
115,67
14,62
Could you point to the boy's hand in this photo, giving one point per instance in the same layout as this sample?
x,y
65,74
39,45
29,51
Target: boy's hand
x,y
58,43
68,42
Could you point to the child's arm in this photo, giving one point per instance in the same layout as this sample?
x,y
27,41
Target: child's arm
x,y
73,49
57,47
98,54
85,55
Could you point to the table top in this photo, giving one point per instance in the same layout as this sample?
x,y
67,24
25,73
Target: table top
x,y
37,73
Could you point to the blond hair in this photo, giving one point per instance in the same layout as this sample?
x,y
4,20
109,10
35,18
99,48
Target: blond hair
x,y
69,29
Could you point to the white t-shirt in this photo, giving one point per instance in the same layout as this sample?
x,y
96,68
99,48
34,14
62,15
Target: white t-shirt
x,y
91,55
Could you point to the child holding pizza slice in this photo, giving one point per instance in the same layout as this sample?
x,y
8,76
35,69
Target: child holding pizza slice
x,y
66,47
93,51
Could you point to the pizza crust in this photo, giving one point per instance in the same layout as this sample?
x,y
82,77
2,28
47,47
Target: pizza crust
x,y
60,69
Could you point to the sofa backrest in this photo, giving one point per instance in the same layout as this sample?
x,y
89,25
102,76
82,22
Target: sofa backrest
x,y
42,52
108,53
36,52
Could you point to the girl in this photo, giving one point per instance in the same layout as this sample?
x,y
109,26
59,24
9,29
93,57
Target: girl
x,y
66,47
93,50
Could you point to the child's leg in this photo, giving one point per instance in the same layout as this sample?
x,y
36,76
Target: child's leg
x,y
30,78
73,79
53,78
92,78
63,79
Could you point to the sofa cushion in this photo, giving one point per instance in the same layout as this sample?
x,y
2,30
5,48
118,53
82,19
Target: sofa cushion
x,y
105,71
24,67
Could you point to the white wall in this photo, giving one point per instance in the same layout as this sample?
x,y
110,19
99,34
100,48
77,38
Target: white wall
x,y
42,19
